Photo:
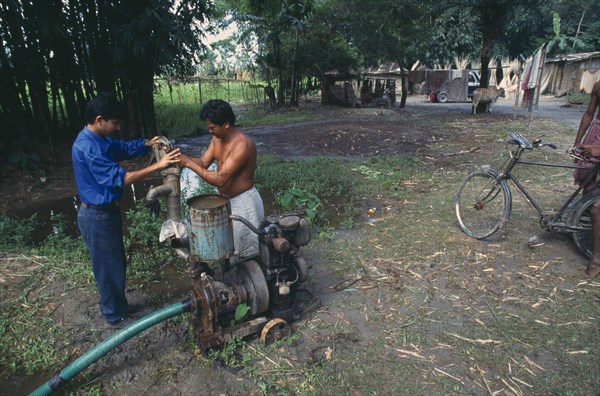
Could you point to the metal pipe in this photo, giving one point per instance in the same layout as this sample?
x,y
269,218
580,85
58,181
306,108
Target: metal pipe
x,y
151,200
180,243
155,192
181,247
247,224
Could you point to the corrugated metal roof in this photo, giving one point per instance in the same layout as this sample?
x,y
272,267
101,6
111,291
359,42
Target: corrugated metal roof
x,y
386,68
574,57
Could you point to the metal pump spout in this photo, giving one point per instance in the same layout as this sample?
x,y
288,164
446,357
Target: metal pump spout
x,y
173,227
169,188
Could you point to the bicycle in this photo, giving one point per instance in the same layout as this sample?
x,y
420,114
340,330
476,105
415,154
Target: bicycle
x,y
483,202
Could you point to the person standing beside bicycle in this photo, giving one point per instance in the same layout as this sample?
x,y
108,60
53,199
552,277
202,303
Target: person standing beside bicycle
x,y
591,147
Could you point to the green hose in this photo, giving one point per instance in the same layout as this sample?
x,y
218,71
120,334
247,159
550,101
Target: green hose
x,y
94,354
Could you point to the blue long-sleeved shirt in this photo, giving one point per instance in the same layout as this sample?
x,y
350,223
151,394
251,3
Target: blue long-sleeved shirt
x,y
98,176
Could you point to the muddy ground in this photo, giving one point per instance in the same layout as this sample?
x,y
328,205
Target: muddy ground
x,y
439,287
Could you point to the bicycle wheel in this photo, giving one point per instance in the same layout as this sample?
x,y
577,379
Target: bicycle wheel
x,y
582,218
482,205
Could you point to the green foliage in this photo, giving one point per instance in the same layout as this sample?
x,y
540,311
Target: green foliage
x,y
178,103
143,228
561,43
91,390
296,198
389,170
330,177
16,234
453,33
281,116
579,98
139,40
298,181
231,353
178,120
331,188
69,257
145,255
25,161
66,255
241,311
27,337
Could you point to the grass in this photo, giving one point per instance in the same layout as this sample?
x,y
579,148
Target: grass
x,y
339,184
178,106
266,116
579,98
29,341
505,326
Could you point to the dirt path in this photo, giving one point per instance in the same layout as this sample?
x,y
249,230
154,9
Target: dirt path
x,y
405,304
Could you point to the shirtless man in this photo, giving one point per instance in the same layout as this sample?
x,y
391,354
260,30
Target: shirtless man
x,y
235,155
591,146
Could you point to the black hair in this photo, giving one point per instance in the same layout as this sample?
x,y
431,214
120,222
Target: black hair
x,y
218,111
106,105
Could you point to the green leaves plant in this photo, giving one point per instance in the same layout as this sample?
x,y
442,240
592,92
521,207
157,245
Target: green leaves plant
x,y
296,198
241,311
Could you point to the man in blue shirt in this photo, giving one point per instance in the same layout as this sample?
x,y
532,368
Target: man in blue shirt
x,y
100,182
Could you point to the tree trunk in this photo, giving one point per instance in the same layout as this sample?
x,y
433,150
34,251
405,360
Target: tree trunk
x,y
579,25
294,84
404,89
40,102
280,90
486,54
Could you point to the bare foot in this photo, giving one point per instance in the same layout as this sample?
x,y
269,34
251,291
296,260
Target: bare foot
x,y
592,270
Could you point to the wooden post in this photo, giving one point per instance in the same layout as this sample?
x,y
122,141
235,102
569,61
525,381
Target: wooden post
x,y
536,93
519,71
200,90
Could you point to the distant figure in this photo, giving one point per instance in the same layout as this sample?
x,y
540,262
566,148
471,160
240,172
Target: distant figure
x,y
365,93
591,146
270,93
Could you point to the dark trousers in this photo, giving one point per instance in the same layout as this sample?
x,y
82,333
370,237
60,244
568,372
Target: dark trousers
x,y
101,229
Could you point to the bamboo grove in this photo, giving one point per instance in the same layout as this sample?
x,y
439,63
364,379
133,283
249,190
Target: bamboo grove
x,y
57,54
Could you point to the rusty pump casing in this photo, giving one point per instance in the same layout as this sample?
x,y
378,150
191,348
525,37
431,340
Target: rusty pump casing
x,y
231,299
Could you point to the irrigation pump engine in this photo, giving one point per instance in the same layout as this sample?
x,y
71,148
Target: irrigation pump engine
x,y
238,300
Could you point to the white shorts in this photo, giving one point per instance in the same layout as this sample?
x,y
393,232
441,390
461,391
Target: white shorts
x,y
248,205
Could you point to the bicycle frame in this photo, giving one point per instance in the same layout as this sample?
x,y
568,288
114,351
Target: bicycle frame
x,y
545,220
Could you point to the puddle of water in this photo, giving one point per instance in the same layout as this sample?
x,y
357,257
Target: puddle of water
x,y
175,284
24,385
67,208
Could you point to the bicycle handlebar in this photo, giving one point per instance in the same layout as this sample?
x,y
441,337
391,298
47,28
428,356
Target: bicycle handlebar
x,y
576,153
518,139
